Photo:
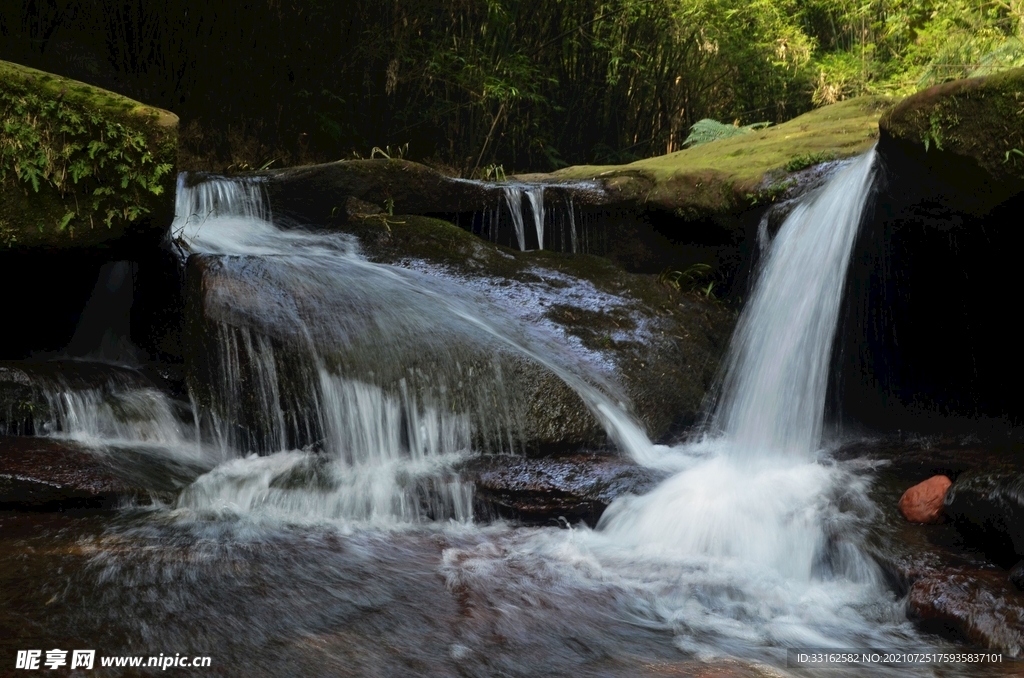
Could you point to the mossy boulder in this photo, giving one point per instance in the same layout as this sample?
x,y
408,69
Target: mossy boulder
x,y
732,174
80,166
968,133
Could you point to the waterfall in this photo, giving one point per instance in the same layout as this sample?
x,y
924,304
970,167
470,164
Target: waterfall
x,y
776,370
572,226
514,200
535,194
393,376
750,517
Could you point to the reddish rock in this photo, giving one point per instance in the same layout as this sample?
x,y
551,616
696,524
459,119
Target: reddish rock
x,y
923,502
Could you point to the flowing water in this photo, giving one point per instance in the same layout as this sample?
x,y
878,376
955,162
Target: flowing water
x,y
347,547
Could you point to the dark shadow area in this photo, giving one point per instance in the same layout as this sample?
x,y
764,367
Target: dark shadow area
x,y
926,340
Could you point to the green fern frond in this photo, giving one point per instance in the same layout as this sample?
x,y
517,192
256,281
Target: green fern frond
x,y
707,130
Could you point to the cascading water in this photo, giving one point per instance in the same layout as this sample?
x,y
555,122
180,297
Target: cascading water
x,y
393,375
535,195
764,556
514,200
750,546
773,394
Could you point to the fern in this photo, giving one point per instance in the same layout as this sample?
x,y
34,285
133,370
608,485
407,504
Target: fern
x,y
707,130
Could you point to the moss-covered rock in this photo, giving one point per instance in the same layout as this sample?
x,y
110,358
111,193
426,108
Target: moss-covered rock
x,y
968,133
80,166
731,174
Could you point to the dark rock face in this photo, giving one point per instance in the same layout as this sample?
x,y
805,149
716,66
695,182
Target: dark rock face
x,y
988,505
924,343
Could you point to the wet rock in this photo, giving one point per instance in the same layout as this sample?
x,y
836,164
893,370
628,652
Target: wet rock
x,y
657,347
662,344
952,587
987,505
558,491
1016,575
923,503
976,606
39,473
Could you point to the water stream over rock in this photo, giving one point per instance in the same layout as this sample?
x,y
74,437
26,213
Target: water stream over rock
x,y
327,529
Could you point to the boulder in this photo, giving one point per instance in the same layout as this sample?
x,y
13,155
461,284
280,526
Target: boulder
x,y
653,345
987,506
662,344
924,345
967,134
80,166
923,503
559,491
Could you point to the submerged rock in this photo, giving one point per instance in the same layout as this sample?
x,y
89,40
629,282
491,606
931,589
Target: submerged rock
x,y
42,473
80,166
923,502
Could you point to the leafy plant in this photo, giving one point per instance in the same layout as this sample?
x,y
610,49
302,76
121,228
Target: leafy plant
x,y
96,162
805,160
708,130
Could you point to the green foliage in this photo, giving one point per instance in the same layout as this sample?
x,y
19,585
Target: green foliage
x,y
694,279
805,160
97,163
524,85
707,130
770,193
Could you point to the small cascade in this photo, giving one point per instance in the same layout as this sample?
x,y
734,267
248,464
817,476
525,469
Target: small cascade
x,y
535,194
514,200
103,330
571,211
94,403
391,375
556,222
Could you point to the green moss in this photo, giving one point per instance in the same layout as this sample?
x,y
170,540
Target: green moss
x,y
719,176
981,118
79,165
